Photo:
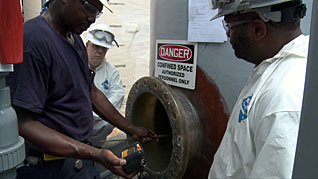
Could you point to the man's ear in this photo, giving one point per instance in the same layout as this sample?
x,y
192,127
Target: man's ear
x,y
259,29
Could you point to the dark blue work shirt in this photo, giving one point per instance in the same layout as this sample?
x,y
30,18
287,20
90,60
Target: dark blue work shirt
x,y
54,80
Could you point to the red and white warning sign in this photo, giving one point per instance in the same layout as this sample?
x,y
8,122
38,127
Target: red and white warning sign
x,y
176,62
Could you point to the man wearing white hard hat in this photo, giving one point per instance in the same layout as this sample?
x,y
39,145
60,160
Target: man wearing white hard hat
x,y
53,95
107,79
261,136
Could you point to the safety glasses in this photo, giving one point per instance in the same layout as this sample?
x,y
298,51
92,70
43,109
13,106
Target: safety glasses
x,y
104,36
90,9
230,25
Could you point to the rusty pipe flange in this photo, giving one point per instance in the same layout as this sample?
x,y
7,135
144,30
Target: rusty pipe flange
x,y
154,104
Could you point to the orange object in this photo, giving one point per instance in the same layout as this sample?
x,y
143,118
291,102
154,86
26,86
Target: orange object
x,y
11,32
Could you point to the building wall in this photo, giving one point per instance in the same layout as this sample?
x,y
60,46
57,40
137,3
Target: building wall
x,y
31,8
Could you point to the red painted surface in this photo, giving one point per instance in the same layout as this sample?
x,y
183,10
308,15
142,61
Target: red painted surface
x,y
213,115
11,32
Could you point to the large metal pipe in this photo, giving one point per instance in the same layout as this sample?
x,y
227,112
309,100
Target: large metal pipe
x,y
196,125
154,104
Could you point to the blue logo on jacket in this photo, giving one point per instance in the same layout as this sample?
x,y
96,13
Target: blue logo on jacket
x,y
105,85
243,110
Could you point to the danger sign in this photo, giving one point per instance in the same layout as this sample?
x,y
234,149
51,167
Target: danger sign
x,y
175,52
176,63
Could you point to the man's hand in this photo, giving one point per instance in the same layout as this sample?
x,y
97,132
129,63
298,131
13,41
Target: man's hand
x,y
108,112
143,134
114,164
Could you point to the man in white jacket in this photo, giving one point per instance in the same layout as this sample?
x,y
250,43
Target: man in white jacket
x,y
261,136
107,78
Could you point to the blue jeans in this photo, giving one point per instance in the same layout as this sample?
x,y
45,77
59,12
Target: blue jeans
x,y
59,169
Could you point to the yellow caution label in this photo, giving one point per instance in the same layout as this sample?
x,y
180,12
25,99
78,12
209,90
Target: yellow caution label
x,y
48,157
124,153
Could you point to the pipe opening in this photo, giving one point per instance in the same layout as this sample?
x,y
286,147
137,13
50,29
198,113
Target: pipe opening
x,y
151,113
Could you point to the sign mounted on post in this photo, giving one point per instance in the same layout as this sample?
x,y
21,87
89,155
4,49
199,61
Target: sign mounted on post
x,y
176,62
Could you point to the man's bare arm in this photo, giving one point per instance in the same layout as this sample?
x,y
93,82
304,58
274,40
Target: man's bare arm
x,y
106,110
55,143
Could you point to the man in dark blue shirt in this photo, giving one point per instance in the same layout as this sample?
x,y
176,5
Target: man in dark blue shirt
x,y
53,95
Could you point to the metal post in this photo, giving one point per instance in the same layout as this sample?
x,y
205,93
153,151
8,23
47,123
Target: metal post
x,y
12,151
306,155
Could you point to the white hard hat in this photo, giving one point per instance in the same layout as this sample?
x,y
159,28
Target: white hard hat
x,y
101,35
261,7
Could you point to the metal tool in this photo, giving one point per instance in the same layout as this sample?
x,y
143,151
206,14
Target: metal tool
x,y
131,139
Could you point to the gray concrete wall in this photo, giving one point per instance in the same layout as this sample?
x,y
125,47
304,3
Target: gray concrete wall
x,y
169,21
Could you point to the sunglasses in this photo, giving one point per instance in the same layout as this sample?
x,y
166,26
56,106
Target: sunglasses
x,y
90,9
